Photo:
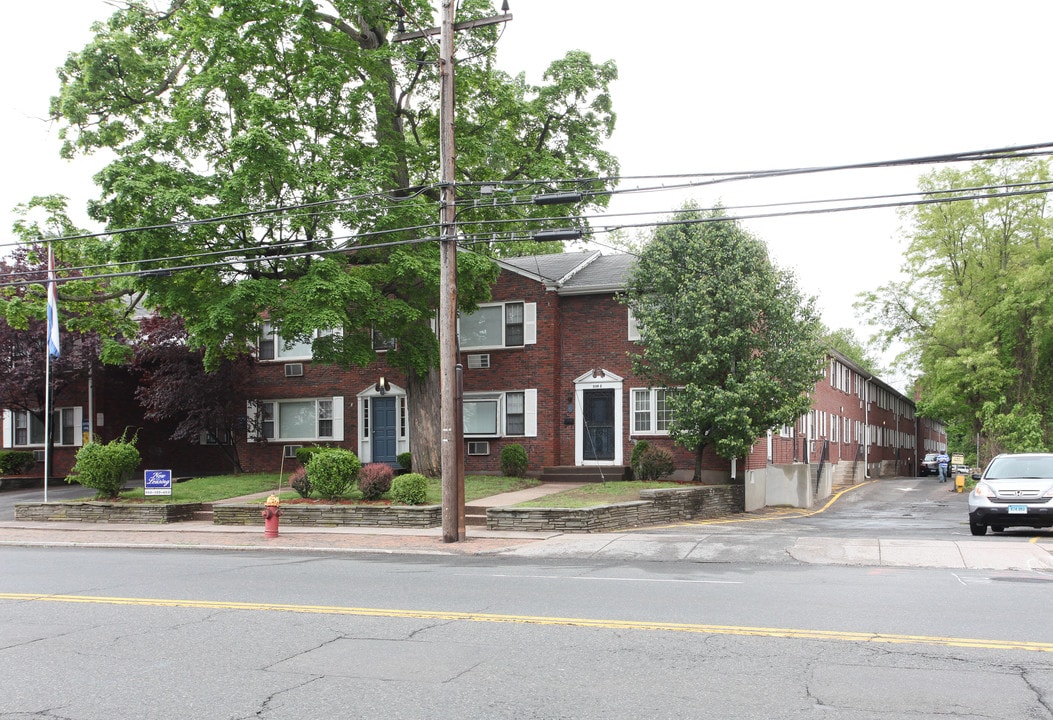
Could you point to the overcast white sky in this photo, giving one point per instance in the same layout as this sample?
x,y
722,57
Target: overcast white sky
x,y
703,87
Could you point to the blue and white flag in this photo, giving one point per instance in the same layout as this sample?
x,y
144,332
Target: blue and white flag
x,y
53,323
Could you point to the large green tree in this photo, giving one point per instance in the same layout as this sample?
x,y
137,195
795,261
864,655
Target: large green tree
x,y
726,329
974,310
314,136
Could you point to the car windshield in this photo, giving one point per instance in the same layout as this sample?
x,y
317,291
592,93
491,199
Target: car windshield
x,y
1020,467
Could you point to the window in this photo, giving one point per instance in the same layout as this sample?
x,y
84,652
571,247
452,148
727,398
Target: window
x,y
480,416
515,413
501,325
652,413
300,419
25,429
382,342
273,347
500,414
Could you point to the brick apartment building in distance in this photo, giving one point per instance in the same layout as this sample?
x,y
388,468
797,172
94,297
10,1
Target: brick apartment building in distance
x,y
546,365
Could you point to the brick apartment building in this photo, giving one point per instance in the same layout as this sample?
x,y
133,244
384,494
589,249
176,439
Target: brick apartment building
x,y
546,365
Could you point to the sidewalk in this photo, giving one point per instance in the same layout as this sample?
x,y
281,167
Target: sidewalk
x,y
690,542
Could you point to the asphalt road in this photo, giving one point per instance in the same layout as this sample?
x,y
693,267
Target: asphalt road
x,y
87,634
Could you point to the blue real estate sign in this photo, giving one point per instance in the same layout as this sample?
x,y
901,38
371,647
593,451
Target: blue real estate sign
x,y
158,482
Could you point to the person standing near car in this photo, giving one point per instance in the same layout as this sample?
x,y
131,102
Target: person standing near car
x,y
943,460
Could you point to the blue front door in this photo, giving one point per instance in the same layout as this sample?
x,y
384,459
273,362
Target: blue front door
x,y
385,440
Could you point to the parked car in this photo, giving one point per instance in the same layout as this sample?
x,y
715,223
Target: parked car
x,y
1015,490
928,465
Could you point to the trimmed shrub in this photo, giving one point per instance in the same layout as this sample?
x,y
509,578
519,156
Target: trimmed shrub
x,y
105,467
16,462
513,460
304,454
655,464
374,480
405,461
639,449
410,489
332,472
298,481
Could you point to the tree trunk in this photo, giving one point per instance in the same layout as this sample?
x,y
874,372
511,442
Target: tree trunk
x,y
698,463
422,394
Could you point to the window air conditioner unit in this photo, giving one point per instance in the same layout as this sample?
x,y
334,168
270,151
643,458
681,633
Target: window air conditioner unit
x,y
293,369
290,451
479,362
38,455
479,447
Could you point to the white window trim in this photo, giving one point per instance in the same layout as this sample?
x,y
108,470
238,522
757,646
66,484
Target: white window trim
x,y
652,410
78,434
529,412
634,326
255,434
529,326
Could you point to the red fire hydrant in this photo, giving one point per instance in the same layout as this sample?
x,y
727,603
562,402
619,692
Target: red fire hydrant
x,y
271,513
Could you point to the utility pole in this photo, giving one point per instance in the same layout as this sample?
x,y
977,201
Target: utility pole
x,y
451,450
452,474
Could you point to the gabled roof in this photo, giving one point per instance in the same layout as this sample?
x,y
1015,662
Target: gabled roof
x,y
575,273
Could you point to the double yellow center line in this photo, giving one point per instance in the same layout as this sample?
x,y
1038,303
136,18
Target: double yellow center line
x,y
791,633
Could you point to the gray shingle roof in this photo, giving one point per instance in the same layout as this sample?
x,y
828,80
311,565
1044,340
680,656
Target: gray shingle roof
x,y
574,272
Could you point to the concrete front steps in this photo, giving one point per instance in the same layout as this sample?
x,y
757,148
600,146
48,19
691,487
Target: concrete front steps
x,y
205,513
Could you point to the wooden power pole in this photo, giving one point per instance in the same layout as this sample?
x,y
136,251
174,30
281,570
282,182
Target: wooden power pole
x,y
451,450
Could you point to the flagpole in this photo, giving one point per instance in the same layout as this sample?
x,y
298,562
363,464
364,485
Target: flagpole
x,y
51,348
47,420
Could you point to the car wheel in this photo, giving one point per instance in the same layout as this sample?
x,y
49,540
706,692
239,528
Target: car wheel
x,y
997,528
977,528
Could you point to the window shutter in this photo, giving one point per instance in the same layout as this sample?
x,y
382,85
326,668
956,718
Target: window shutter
x,y
529,323
250,411
530,412
9,429
338,418
78,423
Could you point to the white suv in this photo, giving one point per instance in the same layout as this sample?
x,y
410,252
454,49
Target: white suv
x,y
1014,491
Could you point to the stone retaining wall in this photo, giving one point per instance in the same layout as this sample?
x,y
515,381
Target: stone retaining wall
x,y
308,515
655,507
107,512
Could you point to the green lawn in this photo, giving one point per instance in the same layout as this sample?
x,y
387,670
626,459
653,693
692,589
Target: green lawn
x,y
222,487
210,489
606,493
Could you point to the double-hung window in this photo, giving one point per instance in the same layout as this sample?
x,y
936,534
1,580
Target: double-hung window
x,y
25,429
511,324
299,419
652,413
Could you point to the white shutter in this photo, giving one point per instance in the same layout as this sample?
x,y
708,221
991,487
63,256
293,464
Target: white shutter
x,y
78,423
250,411
530,413
529,323
9,429
338,418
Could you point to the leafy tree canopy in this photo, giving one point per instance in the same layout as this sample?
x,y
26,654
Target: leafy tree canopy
x,y
974,310
315,137
724,328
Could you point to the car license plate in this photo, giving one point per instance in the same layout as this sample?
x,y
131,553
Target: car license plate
x,y
1018,509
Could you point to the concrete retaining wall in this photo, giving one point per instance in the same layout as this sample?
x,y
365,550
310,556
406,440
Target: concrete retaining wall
x,y
308,515
790,485
655,507
107,512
